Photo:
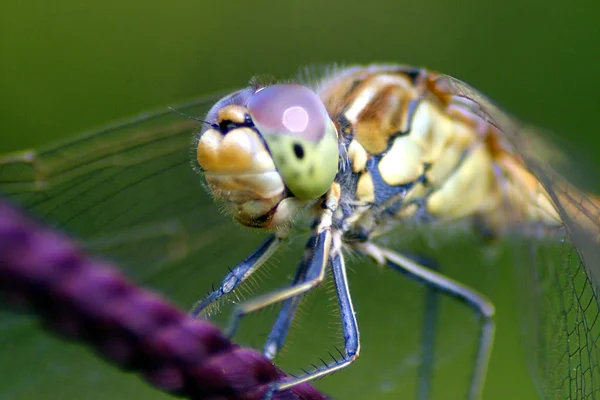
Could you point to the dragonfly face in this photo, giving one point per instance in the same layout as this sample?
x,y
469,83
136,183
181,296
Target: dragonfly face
x,y
267,152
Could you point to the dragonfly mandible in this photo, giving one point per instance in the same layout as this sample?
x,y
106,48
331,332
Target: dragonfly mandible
x,y
361,151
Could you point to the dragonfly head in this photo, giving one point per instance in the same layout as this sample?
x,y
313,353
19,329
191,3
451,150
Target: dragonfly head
x,y
268,152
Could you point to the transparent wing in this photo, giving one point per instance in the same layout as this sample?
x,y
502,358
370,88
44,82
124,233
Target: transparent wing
x,y
127,190
561,273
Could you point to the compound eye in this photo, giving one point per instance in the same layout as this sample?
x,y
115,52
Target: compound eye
x,y
289,109
301,137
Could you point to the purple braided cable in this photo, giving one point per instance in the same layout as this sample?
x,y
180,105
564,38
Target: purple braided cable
x,y
89,300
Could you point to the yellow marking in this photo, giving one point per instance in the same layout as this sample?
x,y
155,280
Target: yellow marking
x,y
443,166
455,139
365,190
403,163
358,156
470,189
286,210
431,130
332,200
545,207
240,151
232,113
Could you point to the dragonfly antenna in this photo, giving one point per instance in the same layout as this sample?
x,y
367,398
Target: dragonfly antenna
x,y
192,118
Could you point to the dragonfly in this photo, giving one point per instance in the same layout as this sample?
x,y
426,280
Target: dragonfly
x,y
353,155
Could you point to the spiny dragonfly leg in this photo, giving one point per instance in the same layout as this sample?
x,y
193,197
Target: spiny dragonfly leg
x,y
349,325
281,327
317,267
482,305
242,271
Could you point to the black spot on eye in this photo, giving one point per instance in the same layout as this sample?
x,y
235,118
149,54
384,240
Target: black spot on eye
x,y
298,151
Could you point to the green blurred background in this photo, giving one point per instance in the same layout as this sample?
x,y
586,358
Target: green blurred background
x,y
68,66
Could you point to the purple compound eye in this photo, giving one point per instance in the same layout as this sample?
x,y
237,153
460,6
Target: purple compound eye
x,y
289,109
300,136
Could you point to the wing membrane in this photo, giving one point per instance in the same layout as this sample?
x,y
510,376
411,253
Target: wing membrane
x,y
561,278
126,190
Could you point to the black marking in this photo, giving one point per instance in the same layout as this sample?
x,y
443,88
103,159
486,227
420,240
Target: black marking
x,y
345,127
413,74
299,151
412,108
227,125
423,178
357,234
262,220
383,191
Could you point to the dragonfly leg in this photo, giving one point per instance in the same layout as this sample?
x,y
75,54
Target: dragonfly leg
x,y
429,328
281,327
350,328
317,267
482,305
242,271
